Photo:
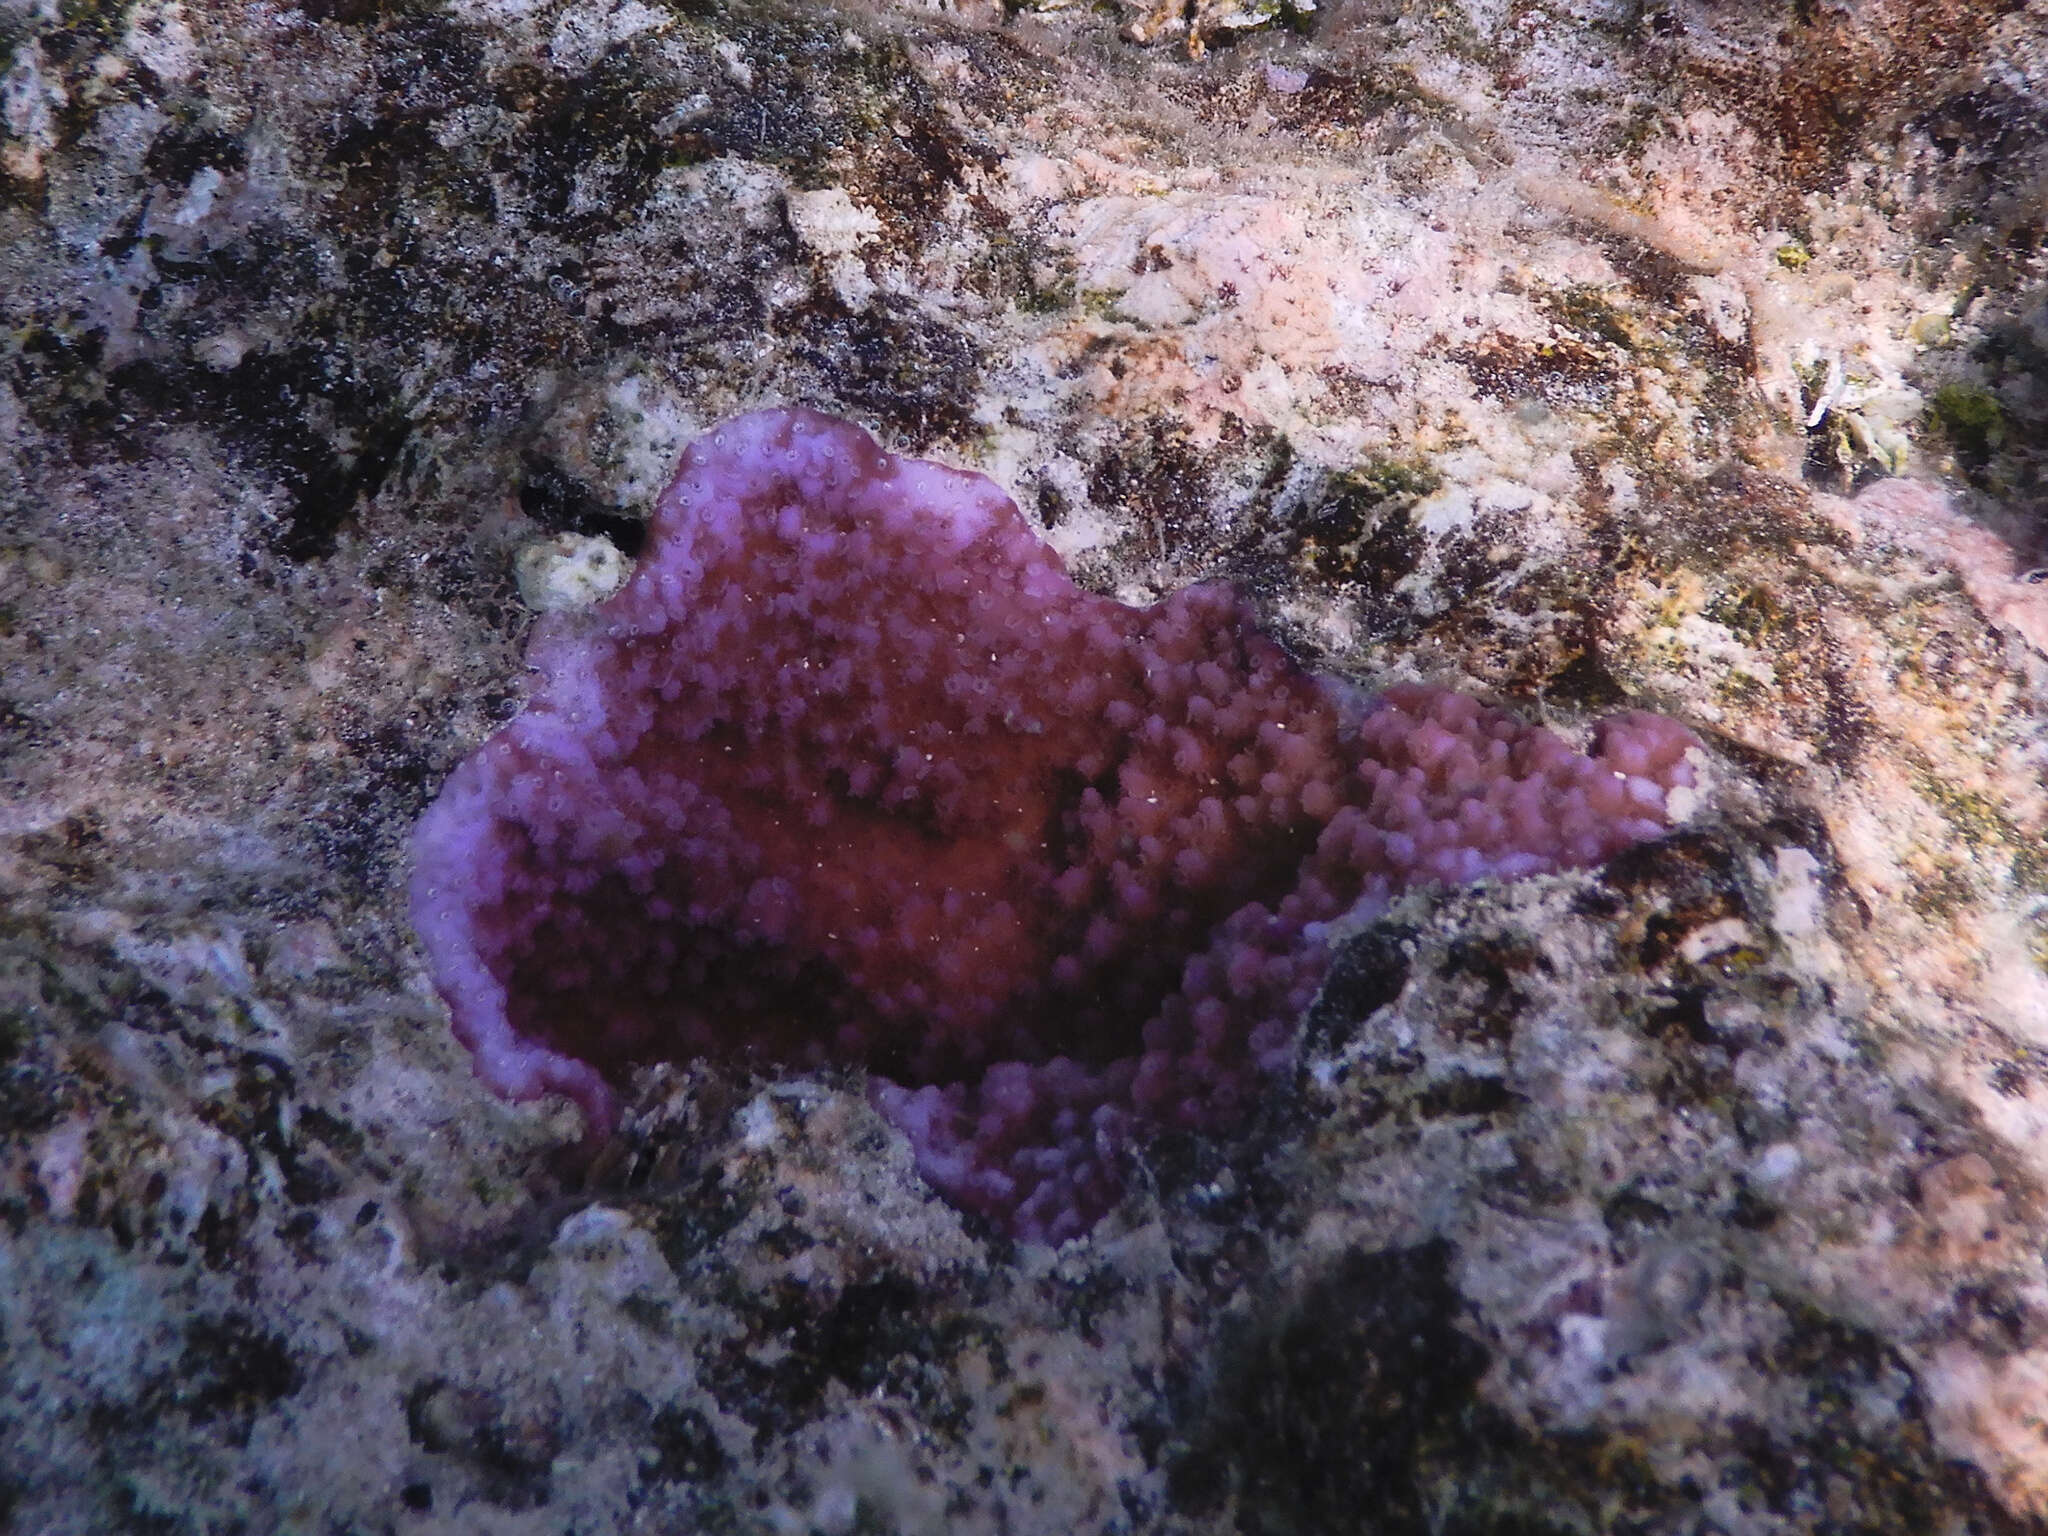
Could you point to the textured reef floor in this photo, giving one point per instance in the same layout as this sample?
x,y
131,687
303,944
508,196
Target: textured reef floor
x,y
1585,361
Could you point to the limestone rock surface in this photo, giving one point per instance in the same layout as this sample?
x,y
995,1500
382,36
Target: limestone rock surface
x,y
1592,356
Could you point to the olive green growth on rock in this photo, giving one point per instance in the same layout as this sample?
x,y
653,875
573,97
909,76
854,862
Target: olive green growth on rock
x,y
1972,419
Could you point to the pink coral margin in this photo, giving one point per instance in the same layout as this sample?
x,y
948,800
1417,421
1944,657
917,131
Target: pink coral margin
x,y
450,836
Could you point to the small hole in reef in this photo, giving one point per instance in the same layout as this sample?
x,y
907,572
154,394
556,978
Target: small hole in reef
x,y
561,505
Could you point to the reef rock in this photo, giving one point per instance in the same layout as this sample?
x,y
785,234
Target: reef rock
x,y
1677,359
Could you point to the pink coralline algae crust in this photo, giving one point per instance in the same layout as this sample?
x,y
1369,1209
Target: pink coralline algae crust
x,y
851,772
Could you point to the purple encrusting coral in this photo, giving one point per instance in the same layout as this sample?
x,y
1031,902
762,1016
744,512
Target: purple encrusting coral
x,y
852,772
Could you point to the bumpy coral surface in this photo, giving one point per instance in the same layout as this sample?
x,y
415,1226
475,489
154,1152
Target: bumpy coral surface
x,y
852,772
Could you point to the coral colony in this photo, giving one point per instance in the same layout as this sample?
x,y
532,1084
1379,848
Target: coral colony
x,y
852,772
